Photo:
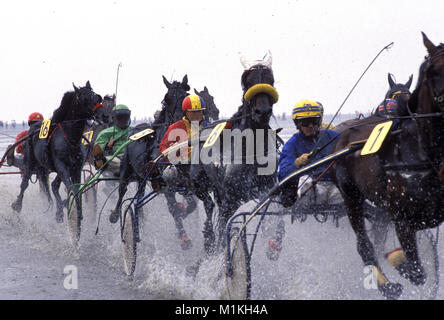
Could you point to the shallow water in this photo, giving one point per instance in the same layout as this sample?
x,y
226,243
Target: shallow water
x,y
318,261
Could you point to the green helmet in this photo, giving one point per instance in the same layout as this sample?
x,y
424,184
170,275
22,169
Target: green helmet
x,y
121,116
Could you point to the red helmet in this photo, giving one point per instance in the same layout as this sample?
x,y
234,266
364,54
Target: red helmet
x,y
35,116
193,103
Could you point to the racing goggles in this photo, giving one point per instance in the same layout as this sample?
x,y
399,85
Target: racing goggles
x,y
305,122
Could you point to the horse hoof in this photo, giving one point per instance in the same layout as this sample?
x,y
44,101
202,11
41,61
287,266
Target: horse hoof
x,y
17,207
114,216
191,271
273,250
413,272
185,243
391,291
59,217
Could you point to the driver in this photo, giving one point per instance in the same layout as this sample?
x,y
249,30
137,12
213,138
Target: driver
x,y
307,116
191,176
110,139
18,161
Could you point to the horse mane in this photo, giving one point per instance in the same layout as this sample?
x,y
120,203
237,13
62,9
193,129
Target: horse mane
x,y
60,113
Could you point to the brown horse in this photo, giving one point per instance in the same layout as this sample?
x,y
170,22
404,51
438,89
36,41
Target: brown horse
x,y
403,177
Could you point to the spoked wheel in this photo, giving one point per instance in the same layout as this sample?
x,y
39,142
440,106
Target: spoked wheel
x,y
129,240
428,255
239,283
74,220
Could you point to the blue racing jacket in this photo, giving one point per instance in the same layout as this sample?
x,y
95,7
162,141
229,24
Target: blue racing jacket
x,y
299,144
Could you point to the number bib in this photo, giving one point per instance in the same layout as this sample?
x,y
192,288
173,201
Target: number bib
x,y
376,138
44,129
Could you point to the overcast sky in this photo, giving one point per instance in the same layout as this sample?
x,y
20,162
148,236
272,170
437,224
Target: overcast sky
x,y
319,49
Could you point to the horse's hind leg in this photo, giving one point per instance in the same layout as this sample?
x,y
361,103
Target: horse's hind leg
x,y
412,268
17,205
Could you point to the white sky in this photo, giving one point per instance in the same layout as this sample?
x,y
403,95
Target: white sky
x,y
319,48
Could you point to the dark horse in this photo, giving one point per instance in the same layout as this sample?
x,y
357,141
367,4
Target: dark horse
x,y
62,151
404,177
242,178
137,156
211,112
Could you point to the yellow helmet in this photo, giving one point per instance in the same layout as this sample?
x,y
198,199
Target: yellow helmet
x,y
307,109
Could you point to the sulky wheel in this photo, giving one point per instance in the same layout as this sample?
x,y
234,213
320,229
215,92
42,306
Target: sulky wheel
x,y
238,285
129,240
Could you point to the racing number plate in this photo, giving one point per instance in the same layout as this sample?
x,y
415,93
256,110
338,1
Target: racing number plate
x,y
214,134
141,134
376,138
88,135
44,129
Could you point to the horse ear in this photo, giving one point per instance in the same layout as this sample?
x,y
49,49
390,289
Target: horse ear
x,y
431,48
75,88
244,62
409,83
185,85
206,89
88,85
168,85
195,91
269,60
390,81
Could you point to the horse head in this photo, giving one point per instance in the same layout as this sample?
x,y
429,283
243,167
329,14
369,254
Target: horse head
x,y
87,103
259,94
177,91
398,91
431,83
211,110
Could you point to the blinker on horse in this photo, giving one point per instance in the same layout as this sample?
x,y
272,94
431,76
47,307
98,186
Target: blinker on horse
x,y
403,176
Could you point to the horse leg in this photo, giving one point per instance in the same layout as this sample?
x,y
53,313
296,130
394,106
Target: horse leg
x,y
76,178
412,268
55,186
17,205
64,175
354,206
176,214
123,187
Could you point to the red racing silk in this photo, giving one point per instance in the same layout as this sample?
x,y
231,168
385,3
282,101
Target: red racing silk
x,y
21,147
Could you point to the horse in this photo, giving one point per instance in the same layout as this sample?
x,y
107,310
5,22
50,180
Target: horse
x,y
211,111
241,182
404,177
136,160
62,151
102,121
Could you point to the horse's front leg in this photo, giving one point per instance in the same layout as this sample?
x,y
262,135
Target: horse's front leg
x,y
354,208
63,175
410,268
